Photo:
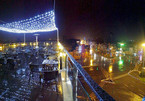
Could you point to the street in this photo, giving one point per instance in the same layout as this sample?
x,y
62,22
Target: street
x,y
116,78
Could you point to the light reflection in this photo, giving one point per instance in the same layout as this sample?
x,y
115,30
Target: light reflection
x,y
91,62
60,89
64,54
69,82
85,59
116,54
80,49
60,54
1,48
95,56
140,57
119,57
101,57
60,46
91,51
120,68
104,59
120,63
110,68
120,49
91,68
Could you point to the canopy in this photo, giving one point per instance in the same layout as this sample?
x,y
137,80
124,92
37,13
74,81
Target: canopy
x,y
40,23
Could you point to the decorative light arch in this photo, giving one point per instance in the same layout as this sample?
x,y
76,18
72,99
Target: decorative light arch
x,y
40,23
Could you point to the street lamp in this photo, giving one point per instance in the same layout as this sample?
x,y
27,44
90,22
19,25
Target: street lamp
x,y
24,38
36,40
121,44
143,45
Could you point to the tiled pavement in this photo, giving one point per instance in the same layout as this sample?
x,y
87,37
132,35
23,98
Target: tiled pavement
x,y
17,86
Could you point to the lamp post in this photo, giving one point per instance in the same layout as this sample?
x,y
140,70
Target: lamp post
x,y
57,35
121,46
36,40
143,45
24,38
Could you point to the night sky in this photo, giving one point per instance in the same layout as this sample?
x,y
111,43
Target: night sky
x,y
93,19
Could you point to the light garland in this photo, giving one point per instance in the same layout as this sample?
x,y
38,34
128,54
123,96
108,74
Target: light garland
x,y
40,23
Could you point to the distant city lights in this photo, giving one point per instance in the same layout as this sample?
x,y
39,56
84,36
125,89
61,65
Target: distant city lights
x,y
120,62
119,57
60,46
80,49
91,62
110,69
121,44
95,56
143,44
91,51
1,48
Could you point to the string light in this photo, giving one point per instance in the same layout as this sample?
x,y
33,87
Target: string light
x,y
40,23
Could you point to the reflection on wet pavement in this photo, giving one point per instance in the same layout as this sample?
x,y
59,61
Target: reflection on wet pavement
x,y
112,76
19,84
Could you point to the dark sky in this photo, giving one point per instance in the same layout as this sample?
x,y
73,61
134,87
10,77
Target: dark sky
x,y
97,19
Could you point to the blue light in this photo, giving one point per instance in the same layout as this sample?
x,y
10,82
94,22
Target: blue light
x,y
40,23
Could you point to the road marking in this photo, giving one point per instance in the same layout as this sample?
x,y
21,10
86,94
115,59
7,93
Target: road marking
x,y
134,76
126,85
118,77
89,66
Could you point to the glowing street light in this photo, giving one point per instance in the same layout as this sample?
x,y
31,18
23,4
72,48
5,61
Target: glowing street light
x,y
36,40
60,46
110,69
60,54
122,44
143,45
91,62
121,62
23,44
91,51
1,48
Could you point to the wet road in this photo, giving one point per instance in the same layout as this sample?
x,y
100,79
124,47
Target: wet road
x,y
116,66
123,87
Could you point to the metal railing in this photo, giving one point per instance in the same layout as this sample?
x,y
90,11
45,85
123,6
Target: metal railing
x,y
75,72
